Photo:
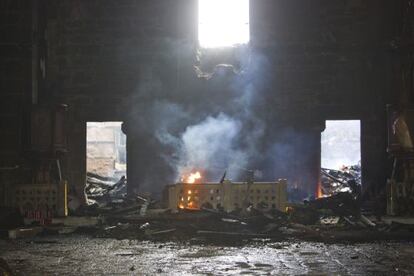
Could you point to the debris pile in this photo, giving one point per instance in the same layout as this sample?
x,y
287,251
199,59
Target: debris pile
x,y
105,189
334,217
202,225
337,181
328,219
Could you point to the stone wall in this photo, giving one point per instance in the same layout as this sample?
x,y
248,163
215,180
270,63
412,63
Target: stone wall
x,y
15,83
122,60
15,80
323,60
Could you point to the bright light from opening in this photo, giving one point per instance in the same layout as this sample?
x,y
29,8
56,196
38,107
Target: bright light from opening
x,y
106,149
341,144
223,23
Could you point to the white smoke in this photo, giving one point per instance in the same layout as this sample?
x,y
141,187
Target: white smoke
x,y
210,145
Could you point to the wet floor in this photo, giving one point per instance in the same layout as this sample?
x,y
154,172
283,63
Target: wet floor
x,y
81,255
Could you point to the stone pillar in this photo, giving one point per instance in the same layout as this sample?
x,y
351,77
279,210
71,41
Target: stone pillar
x,y
147,170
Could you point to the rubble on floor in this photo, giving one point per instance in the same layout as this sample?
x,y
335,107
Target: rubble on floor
x,y
5,268
333,218
328,219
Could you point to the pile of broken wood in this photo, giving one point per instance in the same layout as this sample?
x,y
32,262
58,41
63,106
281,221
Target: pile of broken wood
x,y
326,219
104,190
342,180
337,217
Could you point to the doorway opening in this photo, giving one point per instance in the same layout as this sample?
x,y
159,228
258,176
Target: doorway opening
x,y
340,158
106,149
341,144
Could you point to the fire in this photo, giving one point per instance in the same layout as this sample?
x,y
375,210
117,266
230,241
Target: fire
x,y
189,197
192,178
188,202
319,193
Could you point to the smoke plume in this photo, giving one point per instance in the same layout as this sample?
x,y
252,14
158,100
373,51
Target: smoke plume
x,y
226,122
211,146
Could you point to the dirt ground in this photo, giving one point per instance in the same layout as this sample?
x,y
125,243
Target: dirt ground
x,y
83,255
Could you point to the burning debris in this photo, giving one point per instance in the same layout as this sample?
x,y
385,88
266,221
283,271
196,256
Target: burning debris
x,y
227,196
206,212
193,193
226,211
338,200
237,211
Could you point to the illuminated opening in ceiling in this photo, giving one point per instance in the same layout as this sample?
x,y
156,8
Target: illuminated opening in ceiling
x,y
223,23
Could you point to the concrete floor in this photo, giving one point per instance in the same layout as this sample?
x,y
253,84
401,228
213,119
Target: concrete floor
x,y
81,255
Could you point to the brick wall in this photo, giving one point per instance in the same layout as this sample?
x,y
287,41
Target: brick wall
x,y
15,72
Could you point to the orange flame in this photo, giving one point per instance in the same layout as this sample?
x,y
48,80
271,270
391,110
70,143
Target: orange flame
x,y
189,197
319,193
192,178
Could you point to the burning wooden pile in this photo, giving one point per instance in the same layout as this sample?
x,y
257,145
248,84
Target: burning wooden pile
x,y
192,193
